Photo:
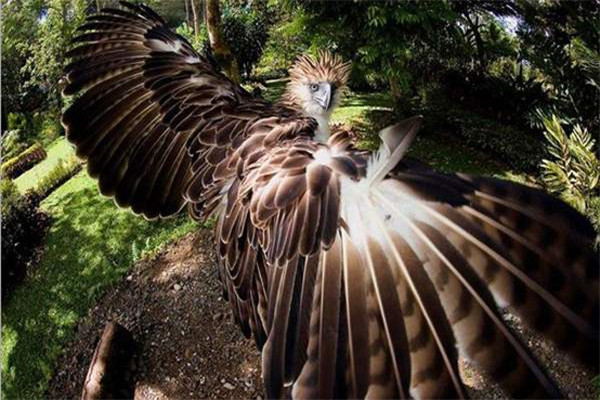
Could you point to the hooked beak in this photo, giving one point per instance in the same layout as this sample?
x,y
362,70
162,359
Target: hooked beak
x,y
324,97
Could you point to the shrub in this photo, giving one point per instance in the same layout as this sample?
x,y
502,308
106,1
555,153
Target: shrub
x,y
24,161
246,33
508,97
188,32
11,144
39,126
573,172
593,213
62,172
24,226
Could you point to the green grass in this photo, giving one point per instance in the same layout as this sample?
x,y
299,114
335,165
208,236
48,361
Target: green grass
x,y
59,150
90,246
355,105
445,156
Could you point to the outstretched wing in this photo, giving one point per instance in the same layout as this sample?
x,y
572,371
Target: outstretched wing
x,y
363,280
150,111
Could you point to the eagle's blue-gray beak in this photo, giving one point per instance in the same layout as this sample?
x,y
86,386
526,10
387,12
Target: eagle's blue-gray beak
x,y
323,95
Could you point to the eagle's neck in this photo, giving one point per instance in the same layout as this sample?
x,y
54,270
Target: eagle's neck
x,y
292,100
323,131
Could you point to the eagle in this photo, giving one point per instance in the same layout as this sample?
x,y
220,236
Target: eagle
x,y
358,274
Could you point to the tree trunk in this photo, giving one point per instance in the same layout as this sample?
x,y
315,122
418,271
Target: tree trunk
x,y
107,376
396,93
4,119
187,13
220,49
196,21
474,26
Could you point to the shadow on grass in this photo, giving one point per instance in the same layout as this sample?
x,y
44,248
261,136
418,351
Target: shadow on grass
x,y
442,152
88,248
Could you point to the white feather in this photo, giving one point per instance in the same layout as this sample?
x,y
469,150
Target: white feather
x,y
396,140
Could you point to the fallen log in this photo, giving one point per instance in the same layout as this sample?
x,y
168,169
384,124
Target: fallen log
x,y
108,376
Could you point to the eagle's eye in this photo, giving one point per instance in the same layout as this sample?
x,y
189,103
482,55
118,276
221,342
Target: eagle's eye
x,y
314,87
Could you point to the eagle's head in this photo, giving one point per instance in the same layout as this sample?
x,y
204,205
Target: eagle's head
x,y
316,85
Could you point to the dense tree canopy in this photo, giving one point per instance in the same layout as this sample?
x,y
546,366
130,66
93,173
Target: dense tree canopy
x,y
514,62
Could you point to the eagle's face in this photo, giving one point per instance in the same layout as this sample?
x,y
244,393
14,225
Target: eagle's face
x,y
319,98
316,84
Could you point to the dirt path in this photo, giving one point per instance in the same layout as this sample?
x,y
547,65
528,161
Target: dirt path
x,y
190,347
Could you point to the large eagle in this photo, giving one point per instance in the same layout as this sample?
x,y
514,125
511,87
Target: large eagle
x,y
358,274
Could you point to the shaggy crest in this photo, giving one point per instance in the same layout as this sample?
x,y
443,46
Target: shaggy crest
x,y
326,67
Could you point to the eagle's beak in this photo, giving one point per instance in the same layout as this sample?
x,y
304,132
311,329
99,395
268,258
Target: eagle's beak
x,y
323,97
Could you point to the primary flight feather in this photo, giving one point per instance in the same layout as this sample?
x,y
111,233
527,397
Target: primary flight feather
x,y
358,274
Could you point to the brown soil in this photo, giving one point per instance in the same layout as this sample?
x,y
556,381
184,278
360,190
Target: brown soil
x,y
191,348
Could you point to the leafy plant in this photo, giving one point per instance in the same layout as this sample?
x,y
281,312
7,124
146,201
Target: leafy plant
x,y
11,144
198,42
22,162
287,39
24,226
588,59
574,170
56,27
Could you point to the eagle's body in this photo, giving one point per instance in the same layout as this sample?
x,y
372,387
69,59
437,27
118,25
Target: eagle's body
x,y
357,274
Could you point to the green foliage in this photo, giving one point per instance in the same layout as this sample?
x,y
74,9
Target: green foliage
x,y
11,144
593,213
506,97
35,36
389,39
37,126
19,30
57,24
23,161
23,228
588,60
62,172
596,383
287,39
246,33
573,172
562,41
198,42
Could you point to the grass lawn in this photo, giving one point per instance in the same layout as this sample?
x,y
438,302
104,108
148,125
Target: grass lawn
x,y
92,244
59,150
356,105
